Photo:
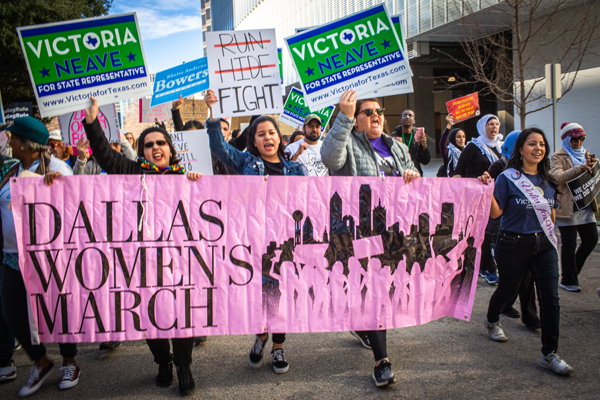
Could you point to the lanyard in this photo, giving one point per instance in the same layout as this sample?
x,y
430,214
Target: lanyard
x,y
411,138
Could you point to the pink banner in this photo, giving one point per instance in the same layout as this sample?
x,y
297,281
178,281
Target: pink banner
x,y
241,255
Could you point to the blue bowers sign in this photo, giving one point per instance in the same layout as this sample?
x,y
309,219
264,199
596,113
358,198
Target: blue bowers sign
x,y
184,80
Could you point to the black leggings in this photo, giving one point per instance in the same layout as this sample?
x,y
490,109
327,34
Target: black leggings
x,y
278,338
571,257
182,350
378,340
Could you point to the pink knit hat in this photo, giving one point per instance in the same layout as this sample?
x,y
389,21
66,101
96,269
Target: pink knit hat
x,y
571,129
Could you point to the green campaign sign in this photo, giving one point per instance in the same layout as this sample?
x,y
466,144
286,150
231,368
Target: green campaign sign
x,y
360,52
280,57
295,110
71,61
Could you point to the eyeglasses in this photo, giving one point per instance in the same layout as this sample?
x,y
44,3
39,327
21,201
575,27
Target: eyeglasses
x,y
369,111
578,139
408,116
149,145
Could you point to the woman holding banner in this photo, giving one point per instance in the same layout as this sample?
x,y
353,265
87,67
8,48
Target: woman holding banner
x,y
566,164
29,145
525,199
156,155
356,146
265,156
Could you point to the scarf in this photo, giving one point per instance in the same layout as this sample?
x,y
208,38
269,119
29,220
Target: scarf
x,y
484,143
508,147
454,154
171,168
577,155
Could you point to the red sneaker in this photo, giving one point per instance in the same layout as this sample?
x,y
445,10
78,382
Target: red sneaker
x,y
70,376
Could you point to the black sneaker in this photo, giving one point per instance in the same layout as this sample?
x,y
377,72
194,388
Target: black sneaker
x,y
165,374
280,366
186,380
109,345
199,340
383,374
363,338
255,358
511,312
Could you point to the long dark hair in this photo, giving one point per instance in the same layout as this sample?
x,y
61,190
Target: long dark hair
x,y
252,134
516,161
452,138
359,104
142,139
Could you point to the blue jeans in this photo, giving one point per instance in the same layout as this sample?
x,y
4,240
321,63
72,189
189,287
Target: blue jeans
x,y
516,253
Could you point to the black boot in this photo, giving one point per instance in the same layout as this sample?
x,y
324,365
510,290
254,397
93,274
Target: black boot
x,y
165,374
186,380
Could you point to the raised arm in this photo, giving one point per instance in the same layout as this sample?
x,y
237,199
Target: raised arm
x,y
333,151
111,161
177,121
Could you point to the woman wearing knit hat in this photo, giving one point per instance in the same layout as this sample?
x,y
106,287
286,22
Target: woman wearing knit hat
x,y
566,164
29,138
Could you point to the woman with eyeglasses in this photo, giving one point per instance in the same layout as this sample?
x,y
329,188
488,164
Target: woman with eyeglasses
x,y
156,155
356,145
566,164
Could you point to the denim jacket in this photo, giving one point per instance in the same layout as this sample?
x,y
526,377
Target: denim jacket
x,y
241,162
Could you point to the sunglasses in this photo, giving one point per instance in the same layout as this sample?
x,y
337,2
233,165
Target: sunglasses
x,y
369,111
578,139
53,146
149,145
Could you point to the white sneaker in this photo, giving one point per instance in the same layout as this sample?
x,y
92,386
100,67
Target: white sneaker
x,y
495,331
37,377
9,372
556,364
570,288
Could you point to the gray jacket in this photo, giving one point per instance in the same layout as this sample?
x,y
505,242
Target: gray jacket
x,y
349,153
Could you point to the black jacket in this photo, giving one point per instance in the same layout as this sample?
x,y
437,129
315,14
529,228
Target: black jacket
x,y
110,160
418,154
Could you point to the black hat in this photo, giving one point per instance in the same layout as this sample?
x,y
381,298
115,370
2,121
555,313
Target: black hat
x,y
30,128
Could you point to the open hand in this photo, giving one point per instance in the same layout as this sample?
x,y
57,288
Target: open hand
x,y
82,148
177,103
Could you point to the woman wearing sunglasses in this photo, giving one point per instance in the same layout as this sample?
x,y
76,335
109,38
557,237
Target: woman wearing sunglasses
x,y
566,164
357,146
156,155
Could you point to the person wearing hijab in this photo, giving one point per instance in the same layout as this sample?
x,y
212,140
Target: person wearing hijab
x,y
507,149
566,164
456,139
476,158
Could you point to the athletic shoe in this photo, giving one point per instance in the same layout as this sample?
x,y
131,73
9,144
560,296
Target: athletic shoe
x,y
482,273
363,338
495,331
37,377
534,326
70,376
255,358
556,364
570,288
491,277
511,312
199,340
165,374
186,380
598,291
8,372
280,366
383,374
109,345
17,345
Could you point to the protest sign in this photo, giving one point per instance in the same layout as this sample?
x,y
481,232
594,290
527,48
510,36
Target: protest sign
x,y
402,86
193,150
71,125
340,253
184,80
360,52
149,114
192,109
244,72
464,107
295,110
1,110
585,187
280,58
71,61
15,110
